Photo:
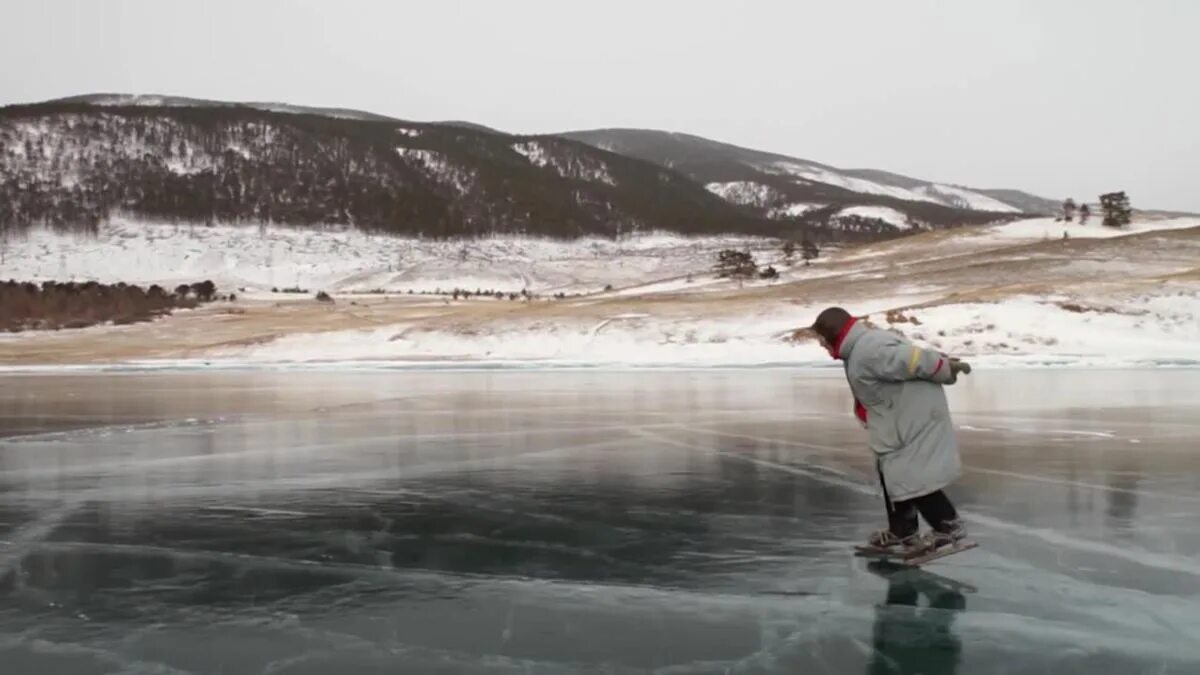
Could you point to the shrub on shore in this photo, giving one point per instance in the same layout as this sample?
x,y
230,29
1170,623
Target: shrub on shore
x,y
54,305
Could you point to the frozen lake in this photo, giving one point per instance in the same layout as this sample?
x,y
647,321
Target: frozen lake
x,y
561,522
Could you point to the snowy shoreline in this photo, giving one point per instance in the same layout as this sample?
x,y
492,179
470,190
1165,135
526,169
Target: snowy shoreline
x,y
983,364
1013,296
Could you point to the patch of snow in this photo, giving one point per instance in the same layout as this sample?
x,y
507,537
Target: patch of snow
x,y
411,133
128,99
753,338
627,340
1134,330
437,166
745,193
690,283
793,210
179,101
532,151
947,195
1035,229
569,166
186,167
239,150
861,185
300,110
430,160
888,215
963,198
347,260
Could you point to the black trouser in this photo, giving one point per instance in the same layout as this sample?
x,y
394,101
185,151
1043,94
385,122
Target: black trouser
x,y
935,507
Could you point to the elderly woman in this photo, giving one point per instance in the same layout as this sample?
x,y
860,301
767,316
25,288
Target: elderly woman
x,y
899,397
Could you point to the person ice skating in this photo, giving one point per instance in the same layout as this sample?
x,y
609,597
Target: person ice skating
x,y
899,397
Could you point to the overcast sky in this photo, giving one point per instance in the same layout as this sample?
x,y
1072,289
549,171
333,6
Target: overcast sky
x,y
1058,97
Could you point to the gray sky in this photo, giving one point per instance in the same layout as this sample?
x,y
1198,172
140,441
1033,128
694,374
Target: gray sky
x,y
1059,97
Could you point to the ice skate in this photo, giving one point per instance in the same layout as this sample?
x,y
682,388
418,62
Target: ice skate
x,y
951,533
885,543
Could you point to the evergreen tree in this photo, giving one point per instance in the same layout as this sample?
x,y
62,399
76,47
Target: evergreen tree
x,y
733,264
810,252
204,290
1117,212
789,251
1085,212
1068,209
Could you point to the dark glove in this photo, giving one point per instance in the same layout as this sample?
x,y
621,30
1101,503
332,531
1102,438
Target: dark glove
x,y
958,366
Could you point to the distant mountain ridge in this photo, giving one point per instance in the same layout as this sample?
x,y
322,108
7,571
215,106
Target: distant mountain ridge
x,y
796,181
163,101
160,101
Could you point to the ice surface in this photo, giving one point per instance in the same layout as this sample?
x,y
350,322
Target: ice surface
x,y
583,522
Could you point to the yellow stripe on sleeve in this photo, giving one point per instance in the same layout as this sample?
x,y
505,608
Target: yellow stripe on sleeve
x,y
914,361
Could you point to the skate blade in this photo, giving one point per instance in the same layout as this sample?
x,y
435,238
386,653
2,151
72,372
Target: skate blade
x,y
913,559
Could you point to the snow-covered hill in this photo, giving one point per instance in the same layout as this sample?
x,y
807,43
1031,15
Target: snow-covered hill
x,y
78,161
74,165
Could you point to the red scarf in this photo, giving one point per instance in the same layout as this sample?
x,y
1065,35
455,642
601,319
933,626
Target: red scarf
x,y
836,350
860,411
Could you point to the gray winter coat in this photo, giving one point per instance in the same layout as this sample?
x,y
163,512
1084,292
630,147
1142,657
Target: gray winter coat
x,y
907,416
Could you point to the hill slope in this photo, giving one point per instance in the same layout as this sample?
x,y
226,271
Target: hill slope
x,y
787,187
75,162
72,165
